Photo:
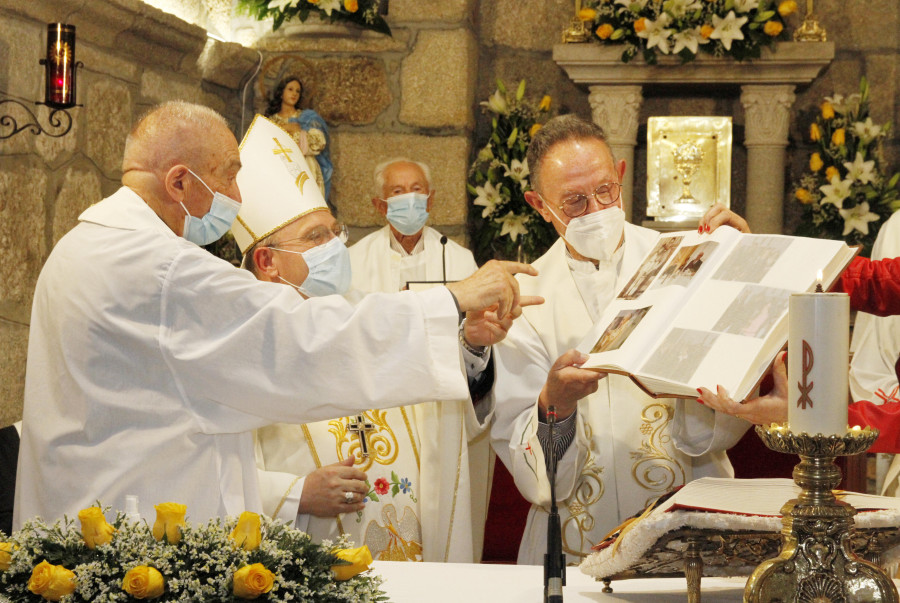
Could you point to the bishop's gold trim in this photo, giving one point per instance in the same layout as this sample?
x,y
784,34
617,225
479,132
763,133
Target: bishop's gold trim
x,y
285,496
462,435
257,239
412,439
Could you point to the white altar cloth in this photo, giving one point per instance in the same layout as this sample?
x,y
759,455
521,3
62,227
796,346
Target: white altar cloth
x,y
471,583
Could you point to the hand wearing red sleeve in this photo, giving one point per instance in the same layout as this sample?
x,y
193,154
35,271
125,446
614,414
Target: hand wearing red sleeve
x,y
873,285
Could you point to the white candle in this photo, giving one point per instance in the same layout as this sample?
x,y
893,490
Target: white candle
x,y
818,363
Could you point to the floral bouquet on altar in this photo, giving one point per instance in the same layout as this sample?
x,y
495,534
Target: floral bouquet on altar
x,y
365,13
250,558
507,227
732,28
847,192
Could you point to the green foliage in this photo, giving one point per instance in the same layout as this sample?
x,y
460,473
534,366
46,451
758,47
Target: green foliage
x,y
502,221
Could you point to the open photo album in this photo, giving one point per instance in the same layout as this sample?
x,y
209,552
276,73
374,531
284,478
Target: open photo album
x,y
707,310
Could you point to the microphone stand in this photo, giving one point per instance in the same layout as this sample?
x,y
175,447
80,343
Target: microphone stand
x,y
554,559
444,256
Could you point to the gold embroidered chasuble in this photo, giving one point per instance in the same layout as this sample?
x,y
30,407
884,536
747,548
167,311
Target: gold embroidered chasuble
x,y
628,447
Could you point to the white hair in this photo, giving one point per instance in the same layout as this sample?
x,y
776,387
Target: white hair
x,y
384,165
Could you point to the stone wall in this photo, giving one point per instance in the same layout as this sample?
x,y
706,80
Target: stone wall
x,y
134,56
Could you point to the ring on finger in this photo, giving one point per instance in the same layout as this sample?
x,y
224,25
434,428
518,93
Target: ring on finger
x,y
348,497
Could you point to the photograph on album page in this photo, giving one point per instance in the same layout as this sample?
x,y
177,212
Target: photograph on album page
x,y
703,310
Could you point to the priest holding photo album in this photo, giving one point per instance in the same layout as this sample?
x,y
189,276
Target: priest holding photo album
x,y
617,448
150,361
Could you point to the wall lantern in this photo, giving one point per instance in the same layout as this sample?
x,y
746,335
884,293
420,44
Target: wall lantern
x,y
60,70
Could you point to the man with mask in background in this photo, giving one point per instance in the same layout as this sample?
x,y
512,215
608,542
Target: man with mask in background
x,y
405,249
151,361
617,448
396,480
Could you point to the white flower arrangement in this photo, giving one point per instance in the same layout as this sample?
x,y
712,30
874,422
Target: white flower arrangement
x,y
364,13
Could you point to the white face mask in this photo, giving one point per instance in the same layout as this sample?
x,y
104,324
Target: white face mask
x,y
329,269
595,235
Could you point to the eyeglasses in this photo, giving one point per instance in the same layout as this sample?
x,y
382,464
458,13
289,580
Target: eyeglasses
x,y
317,236
575,204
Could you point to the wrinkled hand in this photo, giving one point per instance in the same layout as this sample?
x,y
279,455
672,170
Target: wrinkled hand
x,y
492,285
323,490
484,328
719,215
567,384
771,408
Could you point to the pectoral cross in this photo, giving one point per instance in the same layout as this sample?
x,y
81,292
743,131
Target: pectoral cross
x,y
805,388
361,427
281,150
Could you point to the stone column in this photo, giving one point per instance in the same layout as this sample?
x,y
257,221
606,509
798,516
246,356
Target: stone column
x,y
767,119
616,109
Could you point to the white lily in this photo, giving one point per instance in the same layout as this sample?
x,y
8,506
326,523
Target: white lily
x,y
488,198
857,218
859,170
836,192
679,8
517,170
867,131
690,39
727,29
513,225
282,4
497,103
844,106
657,34
745,6
329,5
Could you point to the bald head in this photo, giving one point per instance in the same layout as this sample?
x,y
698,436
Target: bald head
x,y
172,133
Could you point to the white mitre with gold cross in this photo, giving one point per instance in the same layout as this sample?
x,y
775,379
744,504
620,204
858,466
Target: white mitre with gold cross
x,y
276,184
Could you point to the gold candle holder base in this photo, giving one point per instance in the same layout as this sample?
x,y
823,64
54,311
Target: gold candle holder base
x,y
816,563
810,31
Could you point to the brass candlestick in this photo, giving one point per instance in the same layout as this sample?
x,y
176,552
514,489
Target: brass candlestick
x,y
810,30
816,563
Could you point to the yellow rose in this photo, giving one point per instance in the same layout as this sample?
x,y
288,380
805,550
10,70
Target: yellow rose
x,y
52,582
814,133
803,196
587,14
246,533
252,581
640,25
169,519
359,559
773,28
144,582
604,31
351,6
827,110
815,162
707,31
6,551
94,528
831,172
545,103
837,138
788,7
534,130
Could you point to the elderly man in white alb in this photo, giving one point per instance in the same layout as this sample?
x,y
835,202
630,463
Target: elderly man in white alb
x,y
150,361
397,480
405,249
617,448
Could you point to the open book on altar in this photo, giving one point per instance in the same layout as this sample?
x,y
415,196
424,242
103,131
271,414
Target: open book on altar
x,y
722,509
708,310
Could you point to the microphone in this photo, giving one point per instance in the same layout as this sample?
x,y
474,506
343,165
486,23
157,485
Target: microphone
x,y
444,256
554,559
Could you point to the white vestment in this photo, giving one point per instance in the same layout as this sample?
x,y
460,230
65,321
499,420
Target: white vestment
x,y
628,448
876,350
150,362
426,462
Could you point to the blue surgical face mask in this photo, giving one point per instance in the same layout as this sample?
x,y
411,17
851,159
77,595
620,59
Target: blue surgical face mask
x,y
408,212
215,223
329,269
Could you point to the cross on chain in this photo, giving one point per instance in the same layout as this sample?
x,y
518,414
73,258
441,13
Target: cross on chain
x,y
281,150
361,427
